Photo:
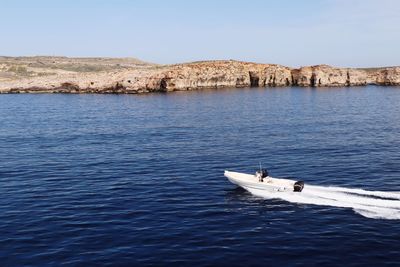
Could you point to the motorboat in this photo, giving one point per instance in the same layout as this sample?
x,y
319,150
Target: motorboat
x,y
262,181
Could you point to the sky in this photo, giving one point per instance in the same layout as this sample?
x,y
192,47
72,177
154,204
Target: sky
x,y
344,33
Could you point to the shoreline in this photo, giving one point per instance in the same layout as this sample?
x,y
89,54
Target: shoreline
x,y
131,76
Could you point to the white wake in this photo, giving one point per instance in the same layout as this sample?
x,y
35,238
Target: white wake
x,y
371,204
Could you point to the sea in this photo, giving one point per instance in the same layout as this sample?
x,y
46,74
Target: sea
x,y
138,180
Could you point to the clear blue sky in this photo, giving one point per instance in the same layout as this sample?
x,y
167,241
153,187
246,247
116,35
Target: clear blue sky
x,y
288,32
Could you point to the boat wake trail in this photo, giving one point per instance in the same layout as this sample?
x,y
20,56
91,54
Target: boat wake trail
x,y
371,204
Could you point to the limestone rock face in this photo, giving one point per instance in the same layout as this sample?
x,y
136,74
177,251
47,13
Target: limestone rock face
x,y
359,77
324,75
388,76
215,74
278,76
321,75
218,74
135,79
302,76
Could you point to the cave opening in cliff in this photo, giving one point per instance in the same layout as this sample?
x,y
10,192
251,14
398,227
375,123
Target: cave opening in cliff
x,y
163,85
254,79
313,80
348,78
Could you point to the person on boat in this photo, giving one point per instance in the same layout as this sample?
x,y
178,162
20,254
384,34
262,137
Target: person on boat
x,y
259,176
262,174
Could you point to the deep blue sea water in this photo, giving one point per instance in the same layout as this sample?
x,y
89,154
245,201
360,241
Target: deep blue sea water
x,y
131,180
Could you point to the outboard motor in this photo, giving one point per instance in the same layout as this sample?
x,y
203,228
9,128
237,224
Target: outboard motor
x,y
298,186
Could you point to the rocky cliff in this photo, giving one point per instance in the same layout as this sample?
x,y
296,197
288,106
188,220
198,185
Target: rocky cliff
x,y
64,75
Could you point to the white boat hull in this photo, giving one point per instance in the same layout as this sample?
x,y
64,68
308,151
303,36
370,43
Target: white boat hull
x,y
270,184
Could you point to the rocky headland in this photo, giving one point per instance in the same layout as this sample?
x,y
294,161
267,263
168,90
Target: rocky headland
x,y
132,76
